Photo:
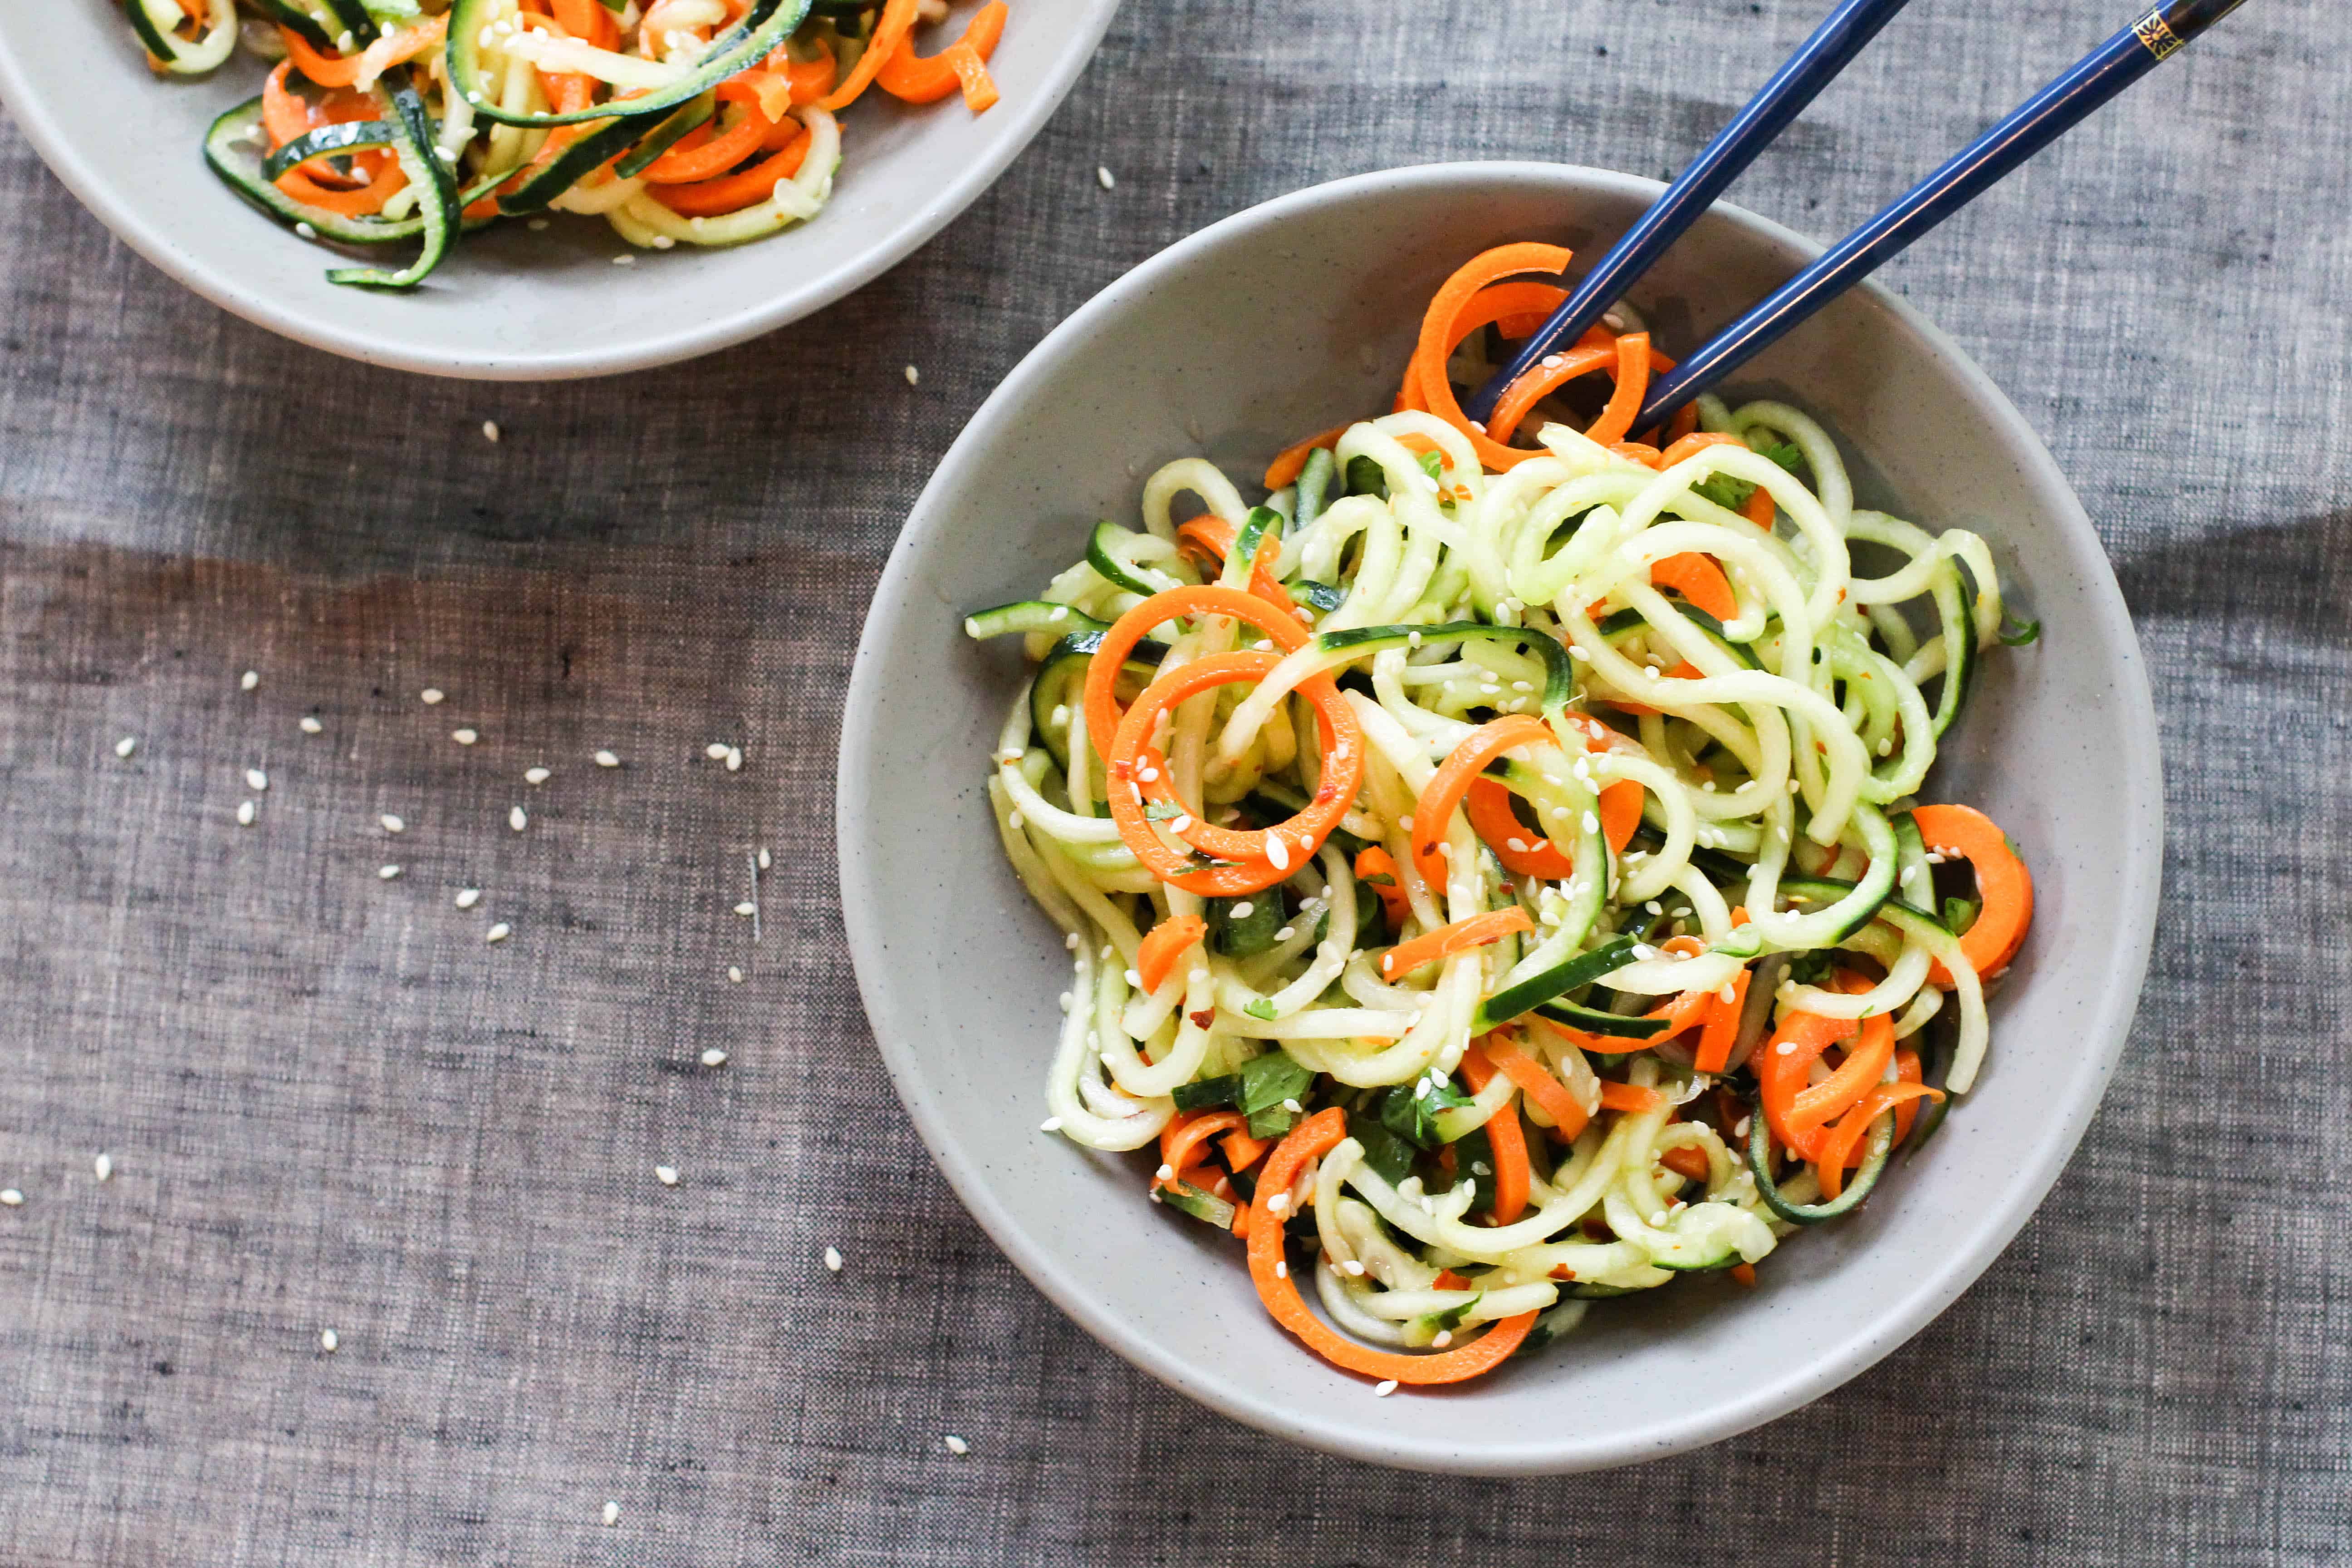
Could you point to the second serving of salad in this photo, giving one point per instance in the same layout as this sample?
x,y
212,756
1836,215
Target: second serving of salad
x,y
1495,876
679,122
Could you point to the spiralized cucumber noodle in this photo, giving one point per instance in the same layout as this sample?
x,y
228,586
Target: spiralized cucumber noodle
x,y
677,122
1683,956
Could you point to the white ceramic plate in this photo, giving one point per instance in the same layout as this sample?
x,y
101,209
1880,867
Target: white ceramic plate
x,y
511,305
1287,319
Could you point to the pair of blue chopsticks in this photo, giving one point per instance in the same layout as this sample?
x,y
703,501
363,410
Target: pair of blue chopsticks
x,y
2091,81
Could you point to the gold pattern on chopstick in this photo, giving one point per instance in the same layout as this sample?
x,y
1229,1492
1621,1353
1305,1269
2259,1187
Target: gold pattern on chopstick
x,y
2155,32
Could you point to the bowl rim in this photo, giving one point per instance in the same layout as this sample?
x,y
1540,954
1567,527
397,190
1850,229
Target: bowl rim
x,y
2118,995
802,297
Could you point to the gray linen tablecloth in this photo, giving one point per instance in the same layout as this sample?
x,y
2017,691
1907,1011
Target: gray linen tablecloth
x,y
330,1104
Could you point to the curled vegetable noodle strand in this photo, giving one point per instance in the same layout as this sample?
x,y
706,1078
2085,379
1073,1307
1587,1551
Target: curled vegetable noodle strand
x,y
1524,862
687,122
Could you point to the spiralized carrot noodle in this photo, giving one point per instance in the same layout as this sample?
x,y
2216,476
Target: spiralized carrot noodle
x,y
1490,872
702,123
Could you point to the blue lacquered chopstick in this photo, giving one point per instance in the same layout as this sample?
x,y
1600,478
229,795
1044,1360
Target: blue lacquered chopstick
x,y
1811,67
2090,82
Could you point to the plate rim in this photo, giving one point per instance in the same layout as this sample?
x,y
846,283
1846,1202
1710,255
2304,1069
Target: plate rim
x,y
153,241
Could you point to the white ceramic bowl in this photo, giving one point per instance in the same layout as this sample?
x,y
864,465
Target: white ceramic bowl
x,y
511,305
1290,318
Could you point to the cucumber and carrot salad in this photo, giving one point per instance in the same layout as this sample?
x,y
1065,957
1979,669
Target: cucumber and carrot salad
x,y
706,122
1496,874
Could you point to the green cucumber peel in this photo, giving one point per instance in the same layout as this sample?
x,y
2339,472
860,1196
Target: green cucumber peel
x,y
765,25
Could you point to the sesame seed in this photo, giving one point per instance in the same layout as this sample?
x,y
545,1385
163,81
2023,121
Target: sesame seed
x,y
734,760
1243,910
465,737
536,775
955,1445
1785,1048
914,377
734,975
1385,1387
1444,1338
1285,934
666,1175
1103,178
717,751
765,860
248,680
1352,1266
1278,854
1277,1204
714,1058
746,909
1167,1173
469,897
1592,823
832,1258
1051,1124
330,1341
305,230
125,746
255,780
1281,1270
612,1514
490,431
517,818
11,1197
499,932
308,725
103,1167
387,873
607,760
624,261
430,696
246,811
1740,1128
1134,979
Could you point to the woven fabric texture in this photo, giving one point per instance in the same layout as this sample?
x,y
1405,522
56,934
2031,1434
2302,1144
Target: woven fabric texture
x,y
331,1102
